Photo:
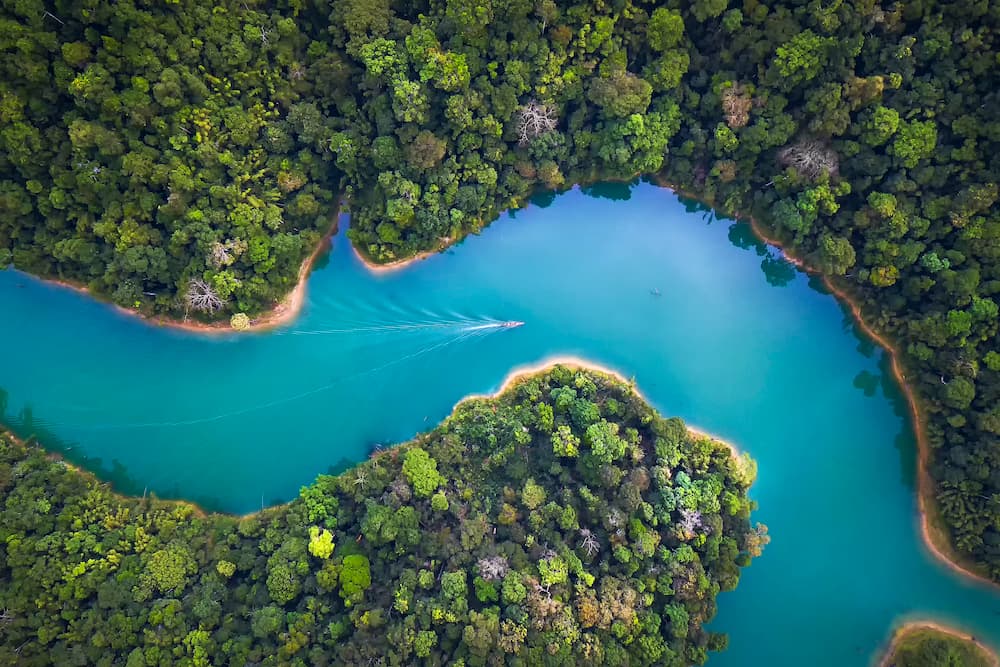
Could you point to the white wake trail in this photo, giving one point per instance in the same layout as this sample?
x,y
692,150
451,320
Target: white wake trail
x,y
461,336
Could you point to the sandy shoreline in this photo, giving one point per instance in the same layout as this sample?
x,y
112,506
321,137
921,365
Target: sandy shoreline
x,y
937,543
517,374
392,267
282,313
579,364
913,626
289,308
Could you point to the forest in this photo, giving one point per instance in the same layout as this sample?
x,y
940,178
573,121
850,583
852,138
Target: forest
x,y
925,646
562,522
184,158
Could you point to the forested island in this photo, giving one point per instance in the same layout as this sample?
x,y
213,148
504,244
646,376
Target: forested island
x,y
929,645
184,159
561,522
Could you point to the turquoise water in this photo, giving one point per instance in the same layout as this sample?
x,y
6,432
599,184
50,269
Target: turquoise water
x,y
737,343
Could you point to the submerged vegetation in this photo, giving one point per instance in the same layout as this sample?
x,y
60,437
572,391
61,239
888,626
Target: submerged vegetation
x,y
562,522
929,646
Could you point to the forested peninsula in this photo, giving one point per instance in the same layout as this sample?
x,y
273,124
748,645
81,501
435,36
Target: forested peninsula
x,y
185,158
561,522
931,645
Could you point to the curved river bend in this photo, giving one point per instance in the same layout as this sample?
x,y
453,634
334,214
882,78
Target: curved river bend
x,y
714,327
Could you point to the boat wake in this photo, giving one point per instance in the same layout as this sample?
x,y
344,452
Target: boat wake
x,y
464,333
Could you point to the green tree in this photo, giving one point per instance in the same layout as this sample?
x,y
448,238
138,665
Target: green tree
x,y
665,29
421,471
355,578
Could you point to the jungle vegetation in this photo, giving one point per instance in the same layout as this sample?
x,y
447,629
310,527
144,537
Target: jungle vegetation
x,y
183,158
925,646
563,522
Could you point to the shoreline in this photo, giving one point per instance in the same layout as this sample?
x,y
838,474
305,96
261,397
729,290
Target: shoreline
x,y
514,376
399,264
283,312
27,443
937,543
902,631
571,362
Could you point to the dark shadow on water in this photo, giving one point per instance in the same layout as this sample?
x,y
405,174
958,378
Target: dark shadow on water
x,y
905,442
741,235
816,284
543,199
866,346
777,271
615,191
323,259
30,429
340,466
867,382
695,206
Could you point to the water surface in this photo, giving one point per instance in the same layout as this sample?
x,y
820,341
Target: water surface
x,y
715,328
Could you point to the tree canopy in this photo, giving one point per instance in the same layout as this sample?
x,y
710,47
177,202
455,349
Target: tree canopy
x,y
184,158
536,555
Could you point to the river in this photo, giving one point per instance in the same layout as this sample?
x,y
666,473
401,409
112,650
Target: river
x,y
714,326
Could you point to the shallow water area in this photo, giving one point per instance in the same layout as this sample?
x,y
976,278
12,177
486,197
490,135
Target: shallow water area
x,y
715,328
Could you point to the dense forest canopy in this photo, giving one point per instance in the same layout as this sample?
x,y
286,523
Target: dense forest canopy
x,y
183,158
927,646
561,523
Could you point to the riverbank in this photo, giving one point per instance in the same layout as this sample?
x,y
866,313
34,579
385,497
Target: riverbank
x,y
578,364
391,267
931,525
5,432
515,376
933,530
908,631
283,312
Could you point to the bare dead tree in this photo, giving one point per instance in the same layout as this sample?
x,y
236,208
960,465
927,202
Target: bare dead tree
x,y
534,120
263,35
810,157
545,590
221,255
493,568
736,104
224,254
588,542
757,539
690,520
202,296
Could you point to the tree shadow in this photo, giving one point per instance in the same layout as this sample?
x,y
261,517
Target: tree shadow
x,y
867,382
741,235
543,198
777,271
613,190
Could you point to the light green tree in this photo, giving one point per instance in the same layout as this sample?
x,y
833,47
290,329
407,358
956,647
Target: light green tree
x,y
421,471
